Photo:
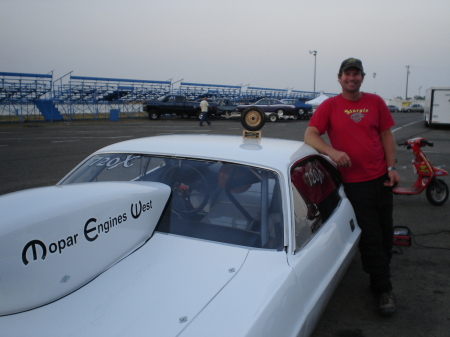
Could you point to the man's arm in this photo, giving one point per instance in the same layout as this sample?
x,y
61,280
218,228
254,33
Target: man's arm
x,y
313,138
388,141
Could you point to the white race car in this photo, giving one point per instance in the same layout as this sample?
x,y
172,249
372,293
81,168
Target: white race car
x,y
180,235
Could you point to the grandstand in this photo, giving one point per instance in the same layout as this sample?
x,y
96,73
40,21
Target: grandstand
x,y
253,94
94,97
37,97
197,90
19,93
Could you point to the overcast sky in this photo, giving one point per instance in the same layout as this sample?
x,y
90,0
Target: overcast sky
x,y
264,43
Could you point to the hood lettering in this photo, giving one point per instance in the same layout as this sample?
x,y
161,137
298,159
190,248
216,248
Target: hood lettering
x,y
33,244
52,247
91,232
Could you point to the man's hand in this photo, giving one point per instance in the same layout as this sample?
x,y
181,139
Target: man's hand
x,y
394,179
313,138
340,158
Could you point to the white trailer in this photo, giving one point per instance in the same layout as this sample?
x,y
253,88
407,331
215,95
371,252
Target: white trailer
x,y
437,106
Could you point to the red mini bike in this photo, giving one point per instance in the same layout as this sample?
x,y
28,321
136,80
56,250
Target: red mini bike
x,y
436,189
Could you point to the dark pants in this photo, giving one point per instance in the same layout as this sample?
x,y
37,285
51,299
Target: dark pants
x,y
204,118
373,205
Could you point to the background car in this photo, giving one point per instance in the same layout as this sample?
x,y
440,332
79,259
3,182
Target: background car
x,y
393,108
274,109
226,108
413,108
223,236
304,110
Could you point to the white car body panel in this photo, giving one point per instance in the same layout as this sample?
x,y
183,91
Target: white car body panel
x,y
159,284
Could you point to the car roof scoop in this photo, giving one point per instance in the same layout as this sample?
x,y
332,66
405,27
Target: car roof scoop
x,y
54,240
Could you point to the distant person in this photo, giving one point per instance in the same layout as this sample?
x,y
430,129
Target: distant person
x,y
363,147
204,108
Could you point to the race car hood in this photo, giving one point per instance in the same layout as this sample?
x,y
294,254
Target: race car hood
x,y
156,291
54,240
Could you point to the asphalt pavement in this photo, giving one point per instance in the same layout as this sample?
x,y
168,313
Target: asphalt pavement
x,y
40,154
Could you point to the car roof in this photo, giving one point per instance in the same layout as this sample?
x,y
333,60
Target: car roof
x,y
265,152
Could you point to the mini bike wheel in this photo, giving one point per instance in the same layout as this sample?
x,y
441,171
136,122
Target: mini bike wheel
x,y
253,118
437,192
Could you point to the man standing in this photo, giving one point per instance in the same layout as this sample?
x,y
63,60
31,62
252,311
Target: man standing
x,y
363,147
204,108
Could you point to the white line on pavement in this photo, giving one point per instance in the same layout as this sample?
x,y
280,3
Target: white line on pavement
x,y
401,127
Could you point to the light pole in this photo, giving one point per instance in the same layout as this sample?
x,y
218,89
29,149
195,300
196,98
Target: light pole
x,y
407,75
171,85
314,52
374,84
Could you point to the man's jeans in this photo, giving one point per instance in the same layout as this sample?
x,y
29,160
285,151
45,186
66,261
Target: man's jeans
x,y
205,118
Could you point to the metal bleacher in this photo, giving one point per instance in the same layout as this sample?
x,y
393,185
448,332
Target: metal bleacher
x,y
21,95
302,95
253,94
37,97
198,90
94,97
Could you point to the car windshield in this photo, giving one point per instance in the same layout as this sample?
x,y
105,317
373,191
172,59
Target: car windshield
x,y
216,201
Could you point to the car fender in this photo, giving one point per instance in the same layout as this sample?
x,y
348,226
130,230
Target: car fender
x,y
252,301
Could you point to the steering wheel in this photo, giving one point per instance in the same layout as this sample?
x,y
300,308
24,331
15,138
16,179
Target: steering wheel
x,y
190,190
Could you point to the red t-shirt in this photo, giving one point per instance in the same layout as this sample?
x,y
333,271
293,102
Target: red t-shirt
x,y
354,127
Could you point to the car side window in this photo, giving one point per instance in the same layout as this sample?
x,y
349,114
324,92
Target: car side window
x,y
221,202
315,184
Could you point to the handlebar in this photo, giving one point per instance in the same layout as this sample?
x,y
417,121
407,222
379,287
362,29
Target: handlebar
x,y
426,142
423,142
405,144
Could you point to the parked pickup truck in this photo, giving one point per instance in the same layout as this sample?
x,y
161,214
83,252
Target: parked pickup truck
x,y
413,108
175,104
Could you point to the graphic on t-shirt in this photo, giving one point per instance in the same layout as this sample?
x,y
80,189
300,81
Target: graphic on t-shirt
x,y
356,114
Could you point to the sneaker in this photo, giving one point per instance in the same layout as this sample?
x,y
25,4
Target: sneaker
x,y
387,302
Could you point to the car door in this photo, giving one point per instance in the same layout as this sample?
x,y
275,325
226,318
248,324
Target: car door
x,y
179,104
168,105
272,106
325,232
264,104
